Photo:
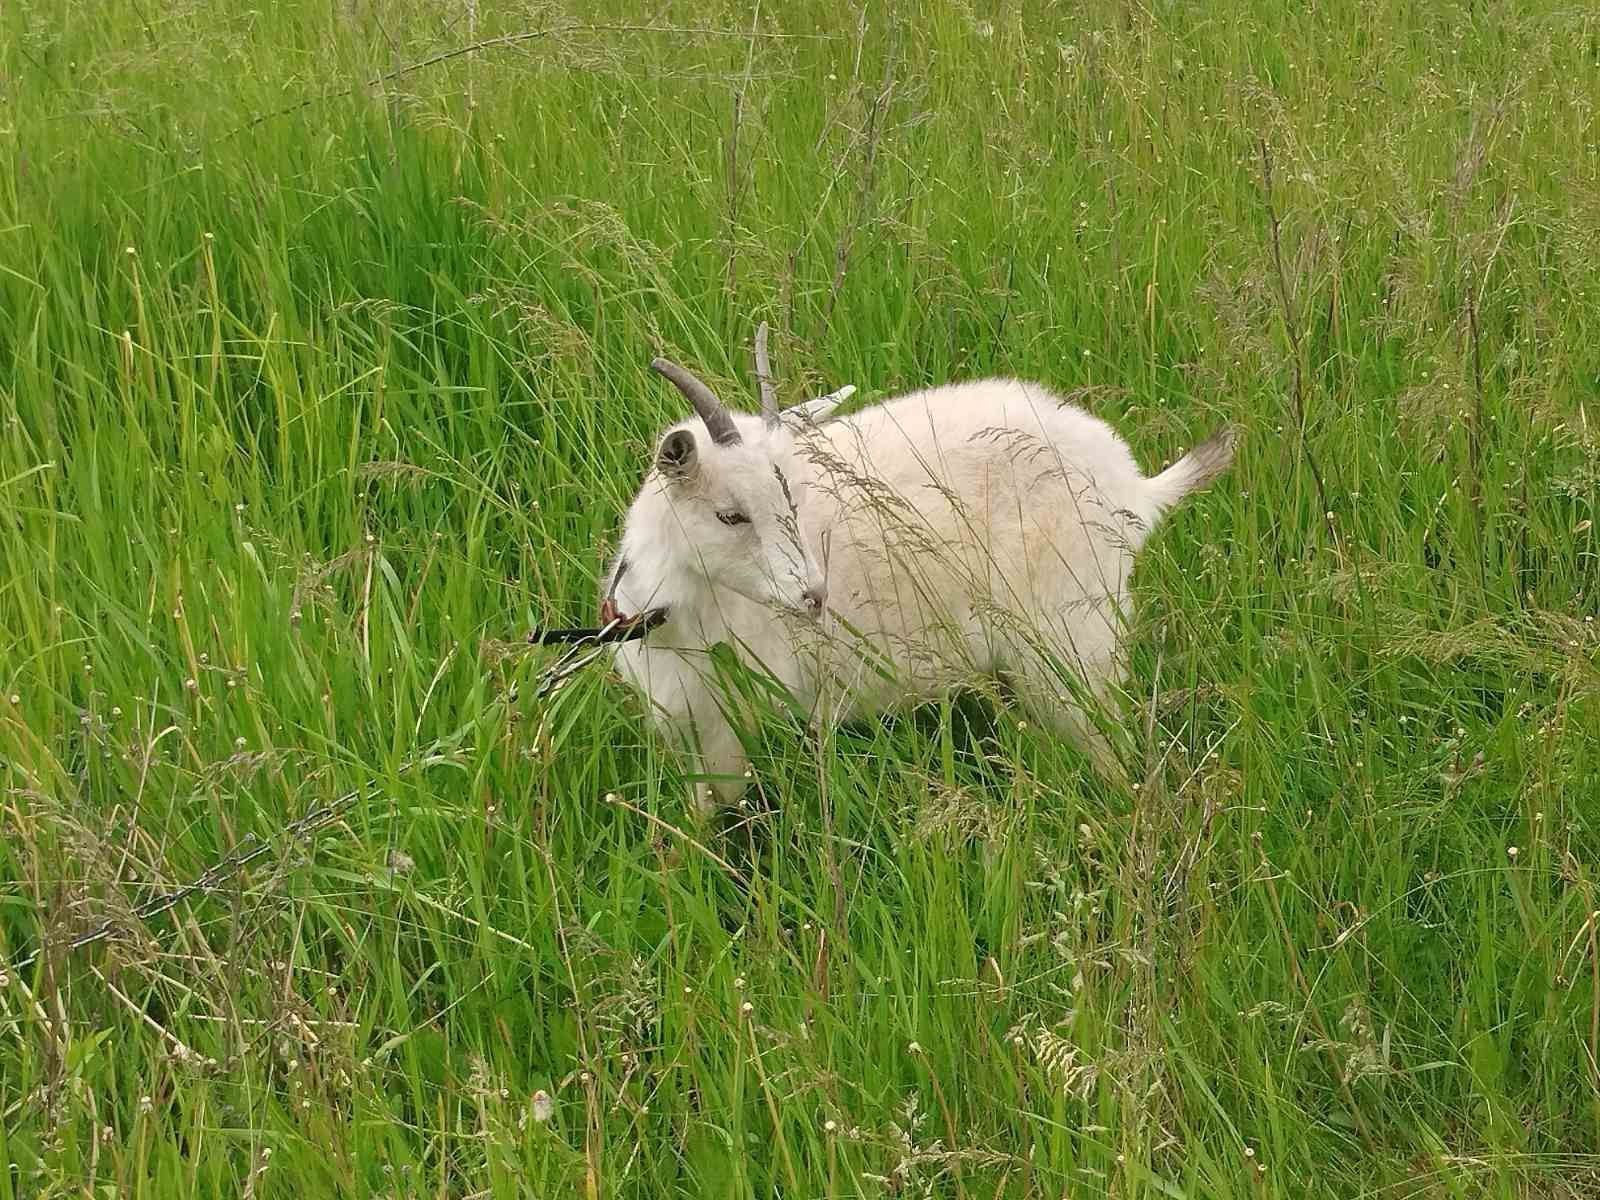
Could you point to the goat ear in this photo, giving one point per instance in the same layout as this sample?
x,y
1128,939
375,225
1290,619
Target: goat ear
x,y
677,455
814,412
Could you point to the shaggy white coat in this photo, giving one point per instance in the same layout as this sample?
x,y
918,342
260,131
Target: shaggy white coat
x,y
977,528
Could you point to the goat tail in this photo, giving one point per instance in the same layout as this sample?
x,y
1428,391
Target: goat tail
x,y
1194,471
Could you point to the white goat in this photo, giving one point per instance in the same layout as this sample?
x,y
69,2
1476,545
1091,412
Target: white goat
x,y
884,557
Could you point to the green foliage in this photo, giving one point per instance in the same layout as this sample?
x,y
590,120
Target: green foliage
x,y
316,393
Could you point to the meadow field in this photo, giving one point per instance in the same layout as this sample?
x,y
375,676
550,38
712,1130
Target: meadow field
x,y
324,344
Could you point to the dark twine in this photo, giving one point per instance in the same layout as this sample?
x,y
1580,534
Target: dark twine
x,y
620,629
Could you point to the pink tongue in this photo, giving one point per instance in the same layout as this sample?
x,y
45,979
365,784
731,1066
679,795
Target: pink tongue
x,y
608,612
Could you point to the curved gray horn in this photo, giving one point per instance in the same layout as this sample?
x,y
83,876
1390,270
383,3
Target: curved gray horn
x,y
769,394
718,422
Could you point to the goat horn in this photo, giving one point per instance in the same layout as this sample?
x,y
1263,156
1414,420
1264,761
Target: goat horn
x,y
769,394
720,424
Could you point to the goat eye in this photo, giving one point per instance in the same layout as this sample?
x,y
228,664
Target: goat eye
x,y
733,518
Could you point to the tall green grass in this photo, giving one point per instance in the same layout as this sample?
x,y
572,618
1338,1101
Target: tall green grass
x,y
322,378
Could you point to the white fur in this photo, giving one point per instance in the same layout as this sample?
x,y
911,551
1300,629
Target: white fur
x,y
977,528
